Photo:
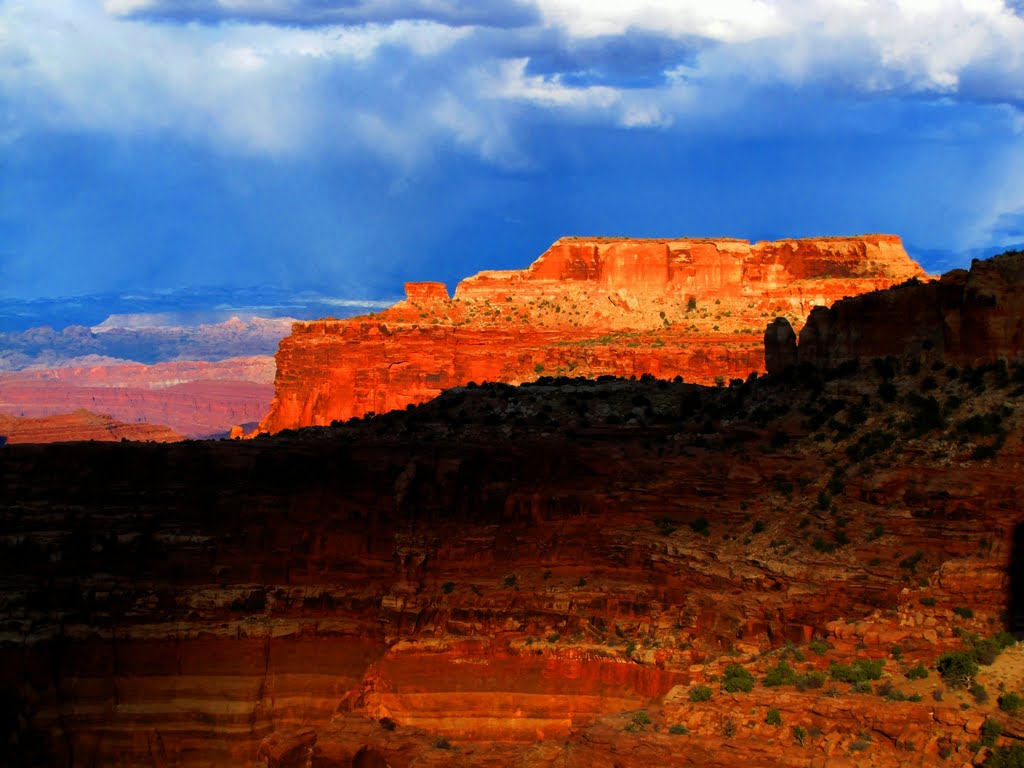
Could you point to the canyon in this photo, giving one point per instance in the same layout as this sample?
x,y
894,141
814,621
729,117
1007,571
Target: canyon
x,y
586,307
194,399
567,572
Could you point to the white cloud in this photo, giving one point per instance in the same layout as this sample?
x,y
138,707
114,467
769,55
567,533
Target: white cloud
x,y
725,20
399,88
244,87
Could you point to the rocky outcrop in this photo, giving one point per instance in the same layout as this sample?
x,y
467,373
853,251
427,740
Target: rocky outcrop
x,y
587,306
80,425
195,399
964,318
779,346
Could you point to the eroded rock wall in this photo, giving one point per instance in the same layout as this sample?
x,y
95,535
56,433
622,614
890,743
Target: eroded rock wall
x,y
587,306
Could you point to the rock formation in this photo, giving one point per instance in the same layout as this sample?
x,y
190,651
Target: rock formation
x,y
532,576
195,399
568,573
587,306
779,346
80,425
965,318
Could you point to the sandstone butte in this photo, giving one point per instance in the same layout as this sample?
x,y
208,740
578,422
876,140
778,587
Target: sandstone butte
x,y
587,306
540,576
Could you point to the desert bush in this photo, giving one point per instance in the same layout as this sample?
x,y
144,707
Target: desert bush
x,y
737,679
860,670
810,680
918,672
957,668
819,647
773,717
1006,757
780,674
1011,702
990,732
700,693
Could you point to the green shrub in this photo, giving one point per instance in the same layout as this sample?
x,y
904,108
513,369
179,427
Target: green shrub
x,y
678,729
701,525
858,671
920,672
810,680
799,735
819,647
1011,702
773,717
780,674
963,612
990,732
442,743
910,563
979,693
737,679
641,718
1006,757
928,602
447,587
1004,640
700,693
957,668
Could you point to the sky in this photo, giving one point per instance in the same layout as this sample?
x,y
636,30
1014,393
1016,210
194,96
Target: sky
x,y
349,146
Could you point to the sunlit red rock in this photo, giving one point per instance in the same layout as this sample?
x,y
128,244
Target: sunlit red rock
x,y
587,306
80,425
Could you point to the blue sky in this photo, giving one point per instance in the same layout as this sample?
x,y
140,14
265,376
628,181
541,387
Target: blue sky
x,y
348,146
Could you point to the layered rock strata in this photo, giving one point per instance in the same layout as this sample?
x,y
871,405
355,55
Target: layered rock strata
x,y
195,399
80,425
587,306
532,577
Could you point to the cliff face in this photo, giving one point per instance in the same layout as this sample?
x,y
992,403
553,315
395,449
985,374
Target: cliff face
x,y
195,399
585,307
965,318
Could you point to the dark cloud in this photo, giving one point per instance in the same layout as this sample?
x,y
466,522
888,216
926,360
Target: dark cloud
x,y
314,13
636,60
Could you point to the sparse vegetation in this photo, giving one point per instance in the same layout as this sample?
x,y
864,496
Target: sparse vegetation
x,y
736,679
700,693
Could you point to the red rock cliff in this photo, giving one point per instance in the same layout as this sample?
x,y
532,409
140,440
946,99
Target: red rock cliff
x,y
587,306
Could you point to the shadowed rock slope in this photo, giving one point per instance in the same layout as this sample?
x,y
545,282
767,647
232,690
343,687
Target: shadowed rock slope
x,y
531,576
